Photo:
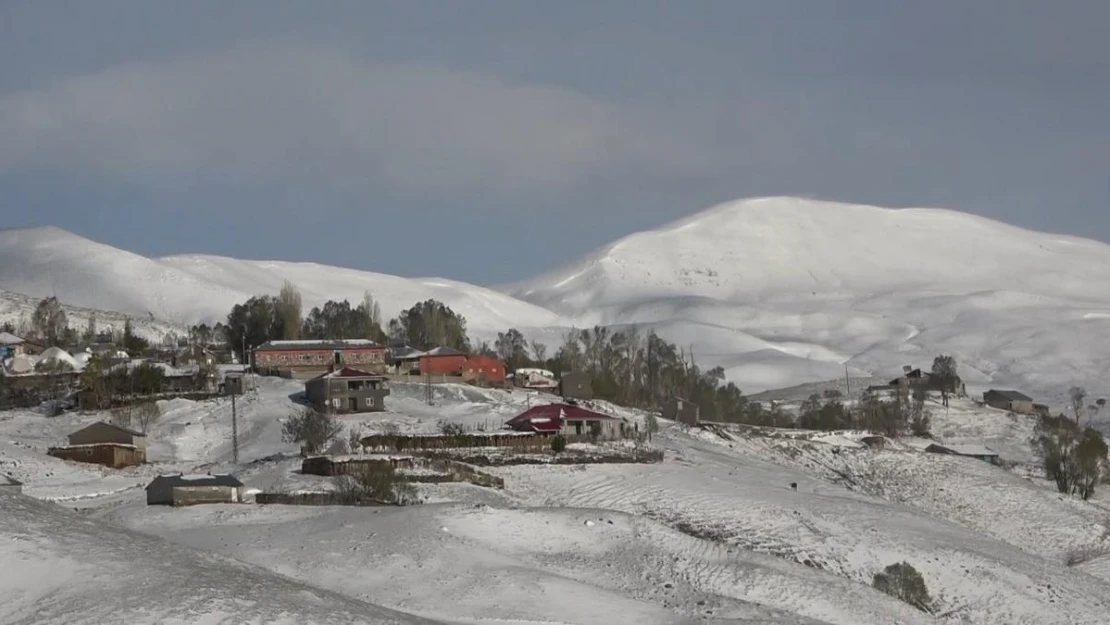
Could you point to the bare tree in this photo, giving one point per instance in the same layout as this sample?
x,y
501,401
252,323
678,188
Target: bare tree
x,y
146,414
49,321
289,311
1078,396
373,312
376,483
539,351
945,374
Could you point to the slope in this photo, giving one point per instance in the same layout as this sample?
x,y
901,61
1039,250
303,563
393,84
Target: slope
x,y
783,291
61,568
39,262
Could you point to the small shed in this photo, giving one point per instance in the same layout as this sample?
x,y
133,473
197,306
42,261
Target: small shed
x,y
1009,400
10,485
682,411
576,385
103,432
233,383
112,455
978,452
187,490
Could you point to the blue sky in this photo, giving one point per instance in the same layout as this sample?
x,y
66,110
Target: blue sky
x,y
487,141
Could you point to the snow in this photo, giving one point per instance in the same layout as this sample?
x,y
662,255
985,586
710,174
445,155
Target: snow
x,y
714,534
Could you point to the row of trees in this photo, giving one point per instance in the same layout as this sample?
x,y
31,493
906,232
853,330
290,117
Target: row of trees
x,y
50,327
280,317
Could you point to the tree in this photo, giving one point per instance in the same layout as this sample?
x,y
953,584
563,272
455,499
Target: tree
x,y
430,324
373,313
49,321
288,308
512,348
651,424
253,323
132,343
945,375
539,352
920,419
146,414
147,379
1078,396
559,444
312,429
903,582
1074,458
89,335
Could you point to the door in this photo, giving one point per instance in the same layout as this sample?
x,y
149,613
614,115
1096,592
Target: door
x,y
338,357
352,403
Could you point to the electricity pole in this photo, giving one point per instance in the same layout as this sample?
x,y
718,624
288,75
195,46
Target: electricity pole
x,y
234,432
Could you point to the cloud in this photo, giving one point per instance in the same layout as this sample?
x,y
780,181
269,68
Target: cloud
x,y
280,114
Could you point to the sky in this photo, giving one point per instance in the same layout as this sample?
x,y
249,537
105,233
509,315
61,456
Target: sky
x,y
488,141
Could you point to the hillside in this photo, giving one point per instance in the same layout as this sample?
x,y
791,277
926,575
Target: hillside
x,y
785,290
181,290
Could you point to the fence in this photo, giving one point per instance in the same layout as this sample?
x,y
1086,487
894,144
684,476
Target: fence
x,y
448,470
517,441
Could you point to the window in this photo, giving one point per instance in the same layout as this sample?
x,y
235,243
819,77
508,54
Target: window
x,y
370,402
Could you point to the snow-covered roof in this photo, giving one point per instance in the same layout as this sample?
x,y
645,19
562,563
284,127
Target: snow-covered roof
x,y
7,338
57,355
441,351
319,344
348,372
21,364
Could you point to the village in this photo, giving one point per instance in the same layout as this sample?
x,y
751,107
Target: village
x,y
561,423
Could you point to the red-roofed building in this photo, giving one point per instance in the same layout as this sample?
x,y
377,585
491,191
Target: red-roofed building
x,y
442,361
566,419
484,370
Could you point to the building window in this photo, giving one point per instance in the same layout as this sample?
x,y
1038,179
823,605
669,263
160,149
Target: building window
x,y
370,402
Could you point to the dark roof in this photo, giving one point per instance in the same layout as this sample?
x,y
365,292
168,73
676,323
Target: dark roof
x,y
111,425
195,480
1010,395
320,344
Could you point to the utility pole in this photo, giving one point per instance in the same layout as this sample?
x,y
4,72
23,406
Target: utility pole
x,y
847,382
234,432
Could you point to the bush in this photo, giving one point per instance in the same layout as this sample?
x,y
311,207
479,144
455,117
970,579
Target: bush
x,y
449,428
559,444
313,430
903,582
378,483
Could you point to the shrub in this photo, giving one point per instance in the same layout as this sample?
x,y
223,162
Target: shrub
x,y
450,428
376,482
313,430
903,582
559,444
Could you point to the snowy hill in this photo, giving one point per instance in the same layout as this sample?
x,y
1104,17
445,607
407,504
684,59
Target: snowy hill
x,y
786,290
39,262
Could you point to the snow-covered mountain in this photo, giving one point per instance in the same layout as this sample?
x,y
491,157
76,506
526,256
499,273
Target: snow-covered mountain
x,y
40,262
787,290
779,291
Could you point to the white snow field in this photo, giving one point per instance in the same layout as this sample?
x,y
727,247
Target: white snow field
x,y
779,291
714,534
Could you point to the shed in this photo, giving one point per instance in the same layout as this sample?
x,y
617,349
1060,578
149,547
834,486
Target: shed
x,y
102,432
112,455
187,490
10,485
233,383
576,385
978,452
682,411
1009,400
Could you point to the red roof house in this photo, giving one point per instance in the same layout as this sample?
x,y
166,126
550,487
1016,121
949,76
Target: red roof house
x,y
565,419
484,370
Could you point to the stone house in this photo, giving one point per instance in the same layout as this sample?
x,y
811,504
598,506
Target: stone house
x,y
1010,400
347,390
187,490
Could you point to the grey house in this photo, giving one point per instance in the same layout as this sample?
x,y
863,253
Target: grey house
x,y
576,385
1009,400
347,390
9,484
101,432
187,490
682,411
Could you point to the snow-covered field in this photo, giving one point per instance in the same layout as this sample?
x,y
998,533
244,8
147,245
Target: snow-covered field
x,y
714,534
779,291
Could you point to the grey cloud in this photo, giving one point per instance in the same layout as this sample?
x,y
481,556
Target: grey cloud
x,y
272,113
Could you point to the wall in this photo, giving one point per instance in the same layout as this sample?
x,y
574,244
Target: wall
x,y
113,456
192,495
450,365
371,360
101,433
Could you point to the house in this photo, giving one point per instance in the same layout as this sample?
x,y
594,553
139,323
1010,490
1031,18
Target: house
x,y
10,485
968,451
12,345
567,419
484,371
347,390
576,385
108,433
187,490
1009,400
402,357
311,357
534,378
112,455
442,361
682,411
916,378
